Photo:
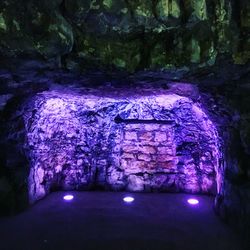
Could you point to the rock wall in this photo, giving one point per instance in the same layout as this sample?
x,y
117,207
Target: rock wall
x,y
223,96
161,142
145,150
126,34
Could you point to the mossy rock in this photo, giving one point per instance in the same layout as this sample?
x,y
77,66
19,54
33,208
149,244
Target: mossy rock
x,y
112,53
38,28
167,33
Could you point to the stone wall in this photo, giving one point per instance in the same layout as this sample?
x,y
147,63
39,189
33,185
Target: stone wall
x,y
162,142
106,107
146,149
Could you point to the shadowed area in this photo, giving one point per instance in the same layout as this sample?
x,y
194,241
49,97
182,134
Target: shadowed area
x,y
98,220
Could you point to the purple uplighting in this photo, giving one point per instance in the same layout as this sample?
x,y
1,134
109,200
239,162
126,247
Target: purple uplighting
x,y
60,137
193,201
128,199
68,197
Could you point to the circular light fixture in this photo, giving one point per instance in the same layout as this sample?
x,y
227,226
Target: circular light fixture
x,y
68,197
128,199
193,201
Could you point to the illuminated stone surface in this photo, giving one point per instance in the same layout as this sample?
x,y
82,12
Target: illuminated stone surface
x,y
161,142
25,106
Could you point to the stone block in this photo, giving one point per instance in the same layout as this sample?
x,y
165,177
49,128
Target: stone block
x,y
144,157
147,150
165,128
151,166
129,149
135,127
115,177
159,158
160,136
135,183
146,136
150,143
133,166
165,150
130,136
167,164
129,143
151,127
128,156
158,180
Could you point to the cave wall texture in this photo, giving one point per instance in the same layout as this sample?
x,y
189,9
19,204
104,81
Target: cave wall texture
x,y
47,45
144,142
127,34
39,107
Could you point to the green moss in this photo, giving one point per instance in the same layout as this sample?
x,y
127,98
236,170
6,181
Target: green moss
x,y
166,8
53,27
245,15
112,52
124,10
94,5
119,63
112,35
223,12
107,3
163,6
160,28
212,55
38,46
158,56
241,57
16,24
122,55
140,11
200,9
38,19
62,36
175,9
3,25
195,51
143,8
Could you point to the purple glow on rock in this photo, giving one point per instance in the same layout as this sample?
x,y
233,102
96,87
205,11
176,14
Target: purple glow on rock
x,y
193,201
68,197
128,199
62,133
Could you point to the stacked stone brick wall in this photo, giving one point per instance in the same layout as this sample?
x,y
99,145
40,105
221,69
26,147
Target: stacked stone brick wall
x,y
148,148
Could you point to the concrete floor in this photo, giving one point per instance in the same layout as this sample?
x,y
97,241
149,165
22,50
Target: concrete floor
x,y
101,220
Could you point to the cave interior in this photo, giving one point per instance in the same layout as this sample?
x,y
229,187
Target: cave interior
x,y
145,97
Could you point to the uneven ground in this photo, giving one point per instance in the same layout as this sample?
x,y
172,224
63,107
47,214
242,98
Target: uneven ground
x,y
101,220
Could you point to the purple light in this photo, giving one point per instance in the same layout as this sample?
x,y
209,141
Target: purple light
x,y
68,197
193,201
128,199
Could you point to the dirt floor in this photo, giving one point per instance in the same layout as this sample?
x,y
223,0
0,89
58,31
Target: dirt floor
x,y
102,220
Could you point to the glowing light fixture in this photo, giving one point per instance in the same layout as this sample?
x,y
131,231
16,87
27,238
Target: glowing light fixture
x,y
193,201
68,197
128,199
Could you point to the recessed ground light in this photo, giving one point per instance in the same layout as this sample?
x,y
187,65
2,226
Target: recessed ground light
x,y
193,201
68,197
128,199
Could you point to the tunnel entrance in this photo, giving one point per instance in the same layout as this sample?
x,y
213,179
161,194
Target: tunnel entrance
x,y
152,143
